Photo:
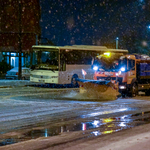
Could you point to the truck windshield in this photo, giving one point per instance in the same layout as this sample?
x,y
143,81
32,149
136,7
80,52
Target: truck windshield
x,y
108,64
122,63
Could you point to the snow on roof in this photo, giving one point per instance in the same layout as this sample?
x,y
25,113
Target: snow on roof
x,y
80,47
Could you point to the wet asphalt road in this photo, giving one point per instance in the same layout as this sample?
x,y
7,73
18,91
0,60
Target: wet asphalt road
x,y
32,112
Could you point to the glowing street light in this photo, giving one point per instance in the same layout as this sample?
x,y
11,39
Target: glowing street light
x,y
117,39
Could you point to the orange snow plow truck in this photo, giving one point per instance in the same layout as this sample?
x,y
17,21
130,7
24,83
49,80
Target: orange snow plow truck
x,y
106,66
119,72
104,85
134,74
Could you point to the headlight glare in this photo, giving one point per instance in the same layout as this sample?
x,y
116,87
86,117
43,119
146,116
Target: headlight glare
x,y
95,68
122,69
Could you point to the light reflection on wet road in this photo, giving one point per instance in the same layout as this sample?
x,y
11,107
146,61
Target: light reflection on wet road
x,y
32,113
105,112
94,127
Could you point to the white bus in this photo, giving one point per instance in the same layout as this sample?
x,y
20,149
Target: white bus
x,y
63,64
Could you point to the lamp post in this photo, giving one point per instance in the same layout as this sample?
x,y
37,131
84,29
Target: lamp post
x,y
148,31
117,39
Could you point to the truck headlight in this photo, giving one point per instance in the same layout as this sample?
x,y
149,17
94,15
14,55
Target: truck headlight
x,y
95,68
122,69
122,87
117,74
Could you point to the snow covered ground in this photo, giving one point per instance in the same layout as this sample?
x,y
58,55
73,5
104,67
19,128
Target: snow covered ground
x,y
14,83
27,106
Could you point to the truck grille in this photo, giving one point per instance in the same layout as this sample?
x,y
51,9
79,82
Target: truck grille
x,y
106,78
120,80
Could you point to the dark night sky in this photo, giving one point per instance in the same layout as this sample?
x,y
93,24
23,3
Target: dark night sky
x,y
94,22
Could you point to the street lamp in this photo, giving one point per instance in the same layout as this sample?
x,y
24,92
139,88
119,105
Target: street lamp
x,y
117,39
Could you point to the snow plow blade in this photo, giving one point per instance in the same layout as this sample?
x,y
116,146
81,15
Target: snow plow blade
x,y
100,90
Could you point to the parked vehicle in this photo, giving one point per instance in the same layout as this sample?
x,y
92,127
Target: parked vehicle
x,y
13,73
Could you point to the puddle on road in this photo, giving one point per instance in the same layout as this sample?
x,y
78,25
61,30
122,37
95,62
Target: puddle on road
x,y
99,126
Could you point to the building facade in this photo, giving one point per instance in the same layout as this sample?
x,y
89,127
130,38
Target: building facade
x,y
19,29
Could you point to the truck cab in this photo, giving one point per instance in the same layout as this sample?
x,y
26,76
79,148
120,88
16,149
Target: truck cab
x,y
106,66
133,74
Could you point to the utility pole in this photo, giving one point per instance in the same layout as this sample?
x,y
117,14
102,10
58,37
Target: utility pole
x,y
20,41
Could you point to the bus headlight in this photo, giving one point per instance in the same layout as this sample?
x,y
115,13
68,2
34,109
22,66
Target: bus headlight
x,y
95,68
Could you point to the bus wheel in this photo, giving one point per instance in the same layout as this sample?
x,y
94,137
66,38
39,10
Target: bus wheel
x,y
134,90
74,82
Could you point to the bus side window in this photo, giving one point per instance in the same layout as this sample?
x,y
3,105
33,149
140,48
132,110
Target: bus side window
x,y
62,62
64,66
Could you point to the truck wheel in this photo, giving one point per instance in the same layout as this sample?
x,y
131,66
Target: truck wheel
x,y
74,82
134,90
123,94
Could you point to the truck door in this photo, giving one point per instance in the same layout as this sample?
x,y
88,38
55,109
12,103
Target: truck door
x,y
131,74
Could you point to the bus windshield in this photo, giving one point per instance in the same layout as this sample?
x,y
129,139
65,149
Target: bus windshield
x,y
46,59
